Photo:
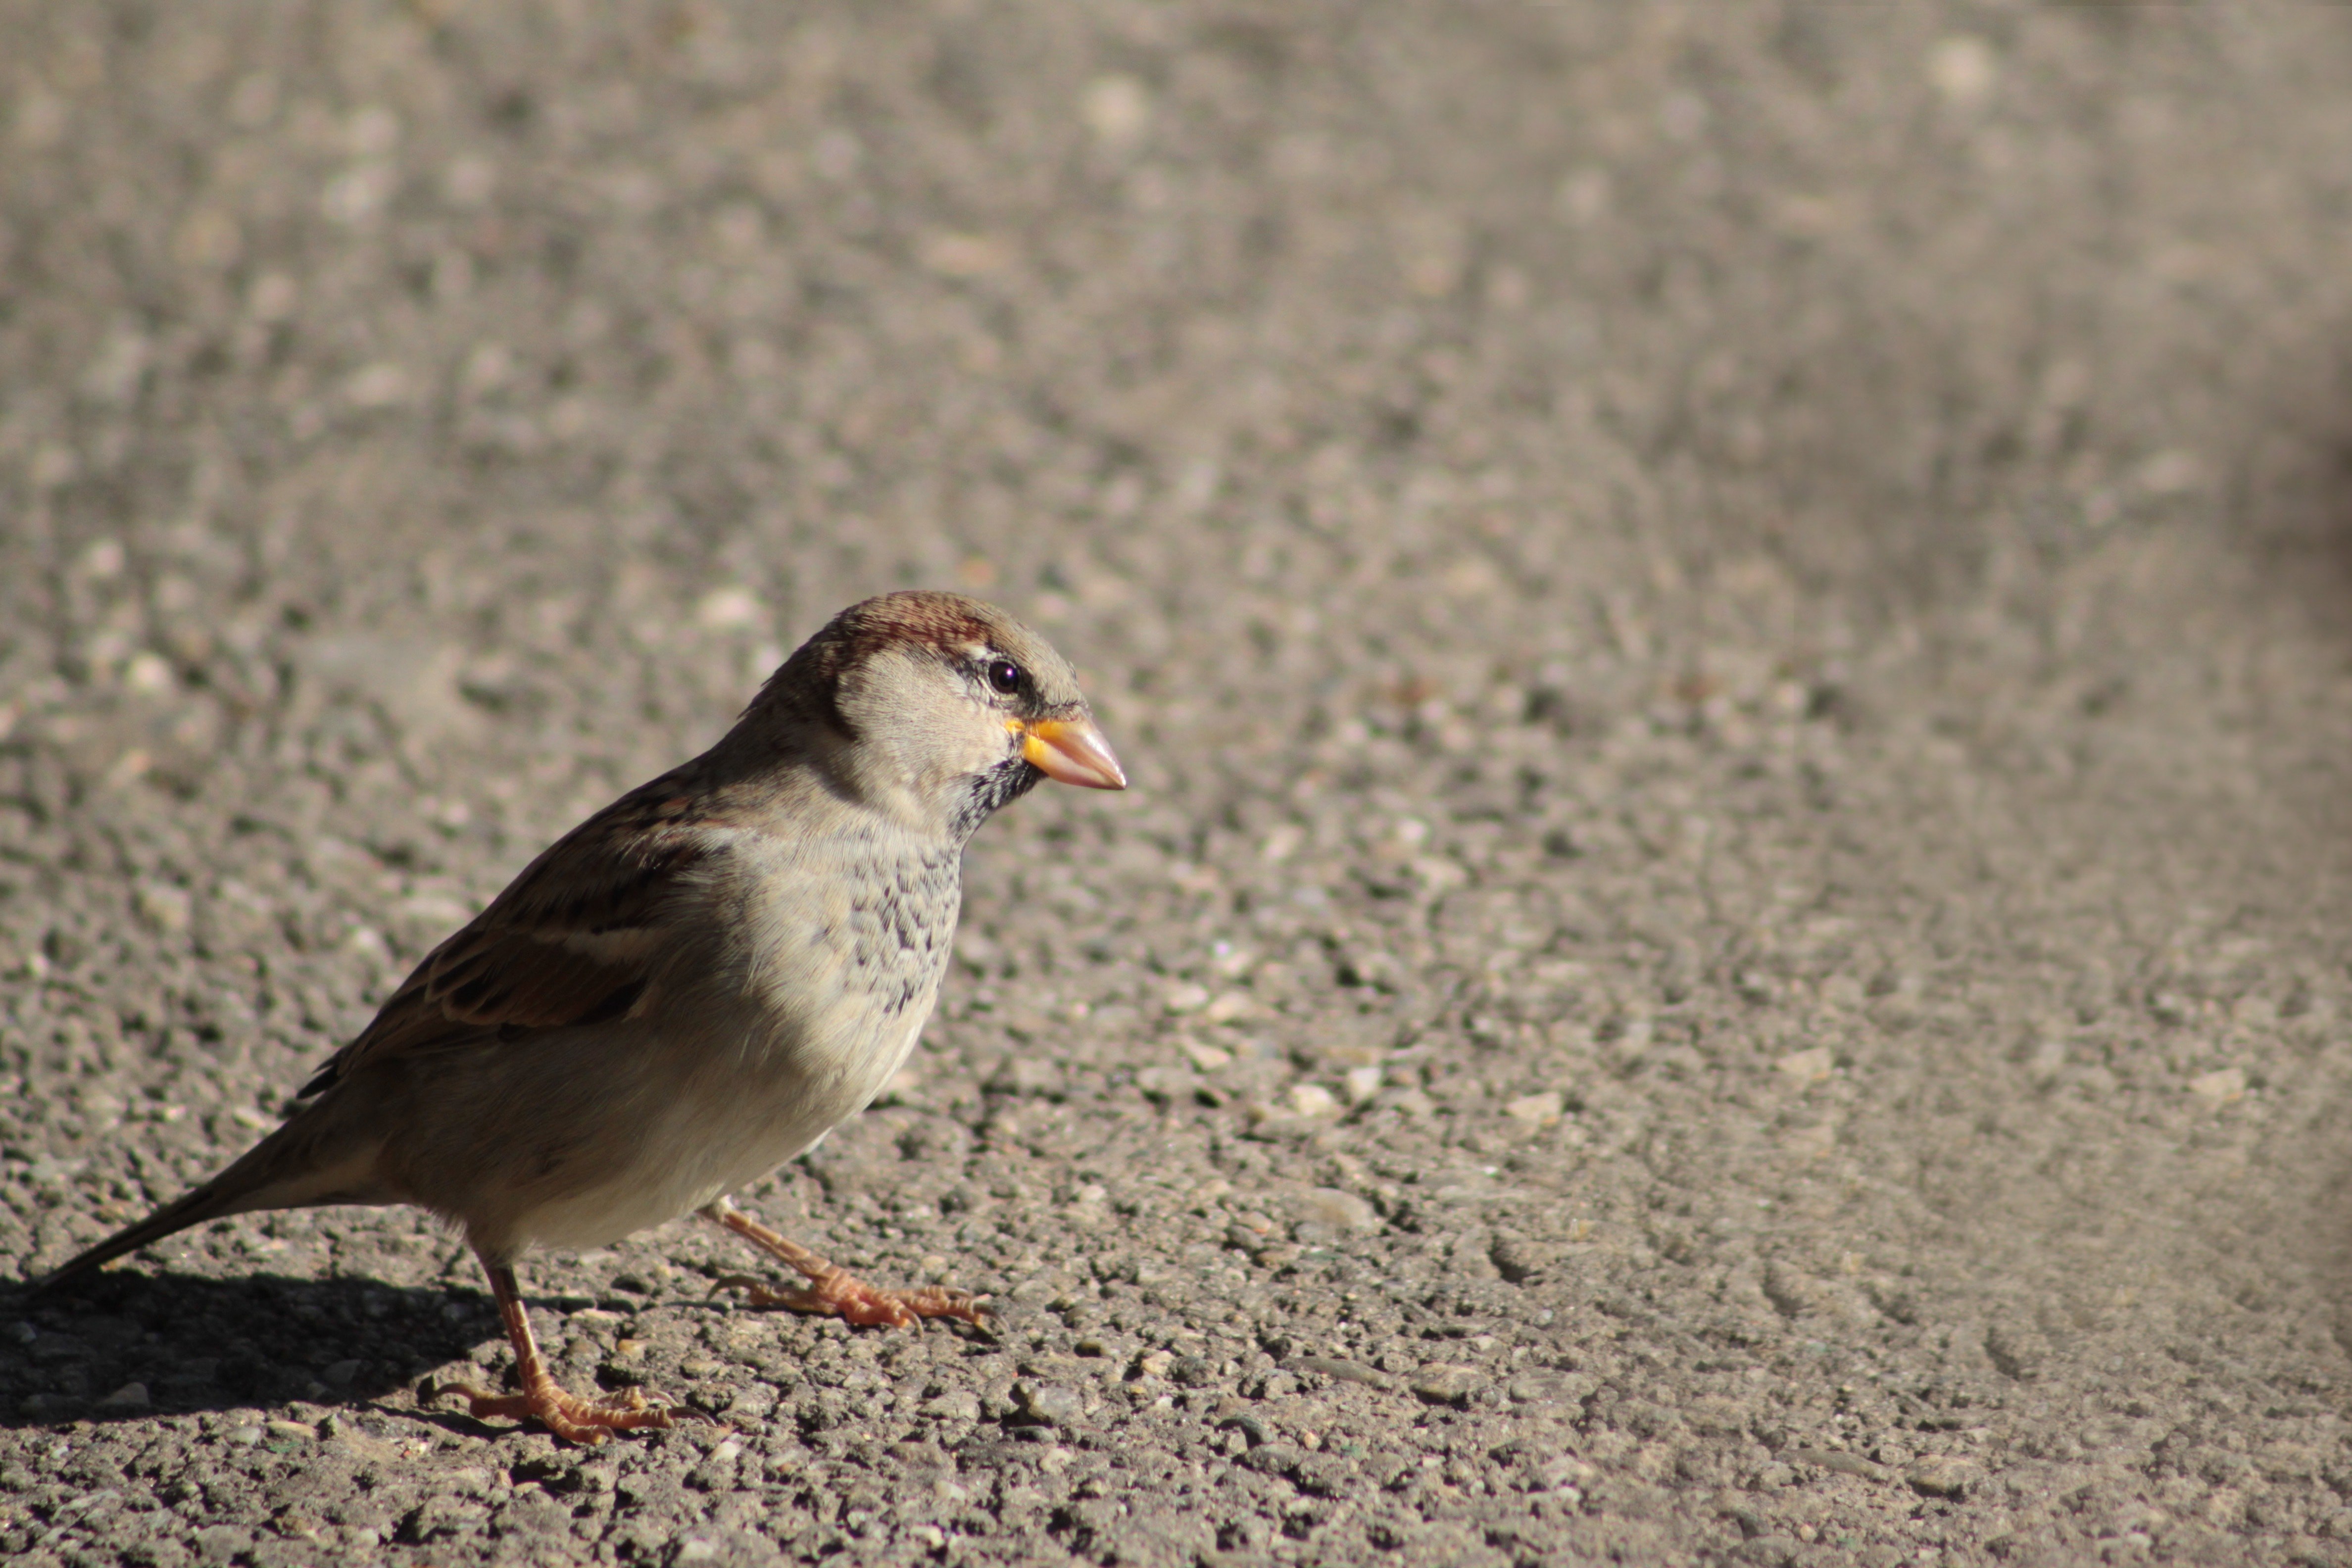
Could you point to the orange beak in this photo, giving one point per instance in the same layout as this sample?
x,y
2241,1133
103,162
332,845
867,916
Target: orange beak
x,y
1071,752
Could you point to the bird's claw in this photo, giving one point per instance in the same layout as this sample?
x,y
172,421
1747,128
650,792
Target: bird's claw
x,y
586,1422
839,1294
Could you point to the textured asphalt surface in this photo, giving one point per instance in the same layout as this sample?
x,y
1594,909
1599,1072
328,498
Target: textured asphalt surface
x,y
1730,623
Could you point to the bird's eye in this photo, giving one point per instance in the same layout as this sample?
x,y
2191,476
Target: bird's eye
x,y
1004,675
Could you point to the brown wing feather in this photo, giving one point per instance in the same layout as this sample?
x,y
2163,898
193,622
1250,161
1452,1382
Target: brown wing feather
x,y
574,939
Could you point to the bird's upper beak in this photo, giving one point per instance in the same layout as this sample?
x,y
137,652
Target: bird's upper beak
x,y
1071,750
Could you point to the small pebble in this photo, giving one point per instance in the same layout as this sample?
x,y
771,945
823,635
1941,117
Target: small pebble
x,y
1117,109
1551,1388
1940,1478
1192,1371
2219,1088
726,609
1186,999
1339,1209
1964,69
956,1405
1231,1006
1049,1403
1838,1461
1518,1259
1809,1065
1445,1385
1337,1368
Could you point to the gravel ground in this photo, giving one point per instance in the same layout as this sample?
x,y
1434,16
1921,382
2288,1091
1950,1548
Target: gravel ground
x,y
1730,623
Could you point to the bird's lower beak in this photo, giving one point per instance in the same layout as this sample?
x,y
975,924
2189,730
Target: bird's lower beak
x,y
1071,752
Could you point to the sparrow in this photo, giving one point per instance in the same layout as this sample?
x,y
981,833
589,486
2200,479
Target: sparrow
x,y
691,987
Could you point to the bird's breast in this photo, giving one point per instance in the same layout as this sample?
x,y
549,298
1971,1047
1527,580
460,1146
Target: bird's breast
x,y
813,983
850,949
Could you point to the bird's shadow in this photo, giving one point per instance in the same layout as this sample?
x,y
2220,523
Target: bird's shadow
x,y
127,1345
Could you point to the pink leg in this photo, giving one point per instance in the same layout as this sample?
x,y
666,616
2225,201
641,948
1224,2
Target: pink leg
x,y
836,1292
570,1417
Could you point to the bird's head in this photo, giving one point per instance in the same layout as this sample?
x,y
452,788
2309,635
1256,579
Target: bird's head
x,y
939,706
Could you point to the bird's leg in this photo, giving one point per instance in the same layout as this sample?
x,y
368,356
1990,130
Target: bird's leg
x,y
834,1291
570,1417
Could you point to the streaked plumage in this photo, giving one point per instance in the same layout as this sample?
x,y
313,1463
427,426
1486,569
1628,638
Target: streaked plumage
x,y
694,985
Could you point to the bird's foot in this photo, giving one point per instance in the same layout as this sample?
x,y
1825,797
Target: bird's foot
x,y
834,1291
586,1422
841,1294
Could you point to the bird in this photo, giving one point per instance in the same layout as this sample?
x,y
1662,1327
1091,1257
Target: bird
x,y
691,987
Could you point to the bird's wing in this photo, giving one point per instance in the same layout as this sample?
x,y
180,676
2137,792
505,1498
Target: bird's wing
x,y
575,939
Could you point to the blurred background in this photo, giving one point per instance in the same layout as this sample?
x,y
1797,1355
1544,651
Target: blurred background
x,y
1348,355
538,341
1735,610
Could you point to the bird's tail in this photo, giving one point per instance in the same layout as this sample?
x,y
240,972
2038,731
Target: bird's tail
x,y
195,1208
283,1171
